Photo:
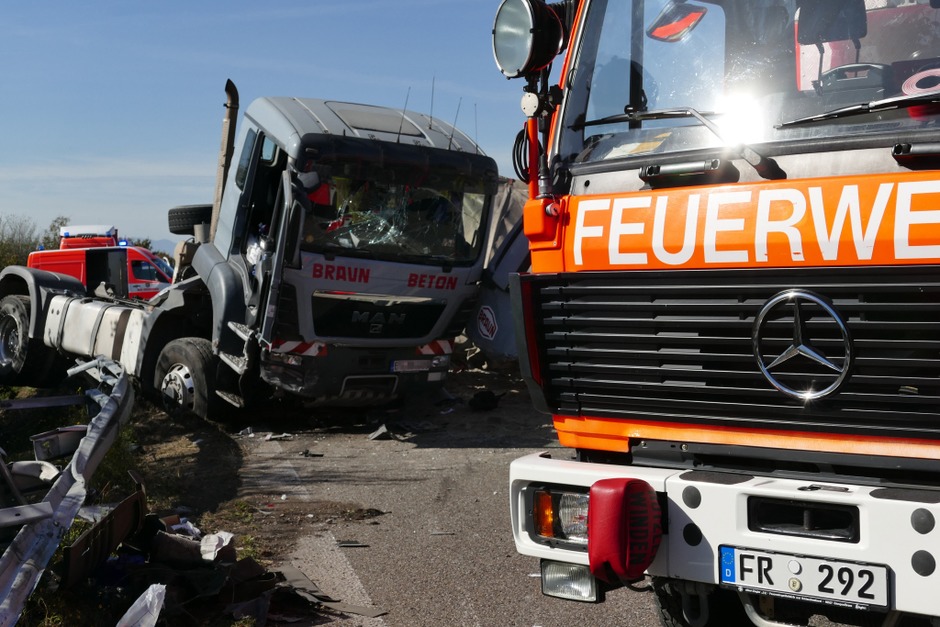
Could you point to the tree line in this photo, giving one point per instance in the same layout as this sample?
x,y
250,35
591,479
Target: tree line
x,y
19,236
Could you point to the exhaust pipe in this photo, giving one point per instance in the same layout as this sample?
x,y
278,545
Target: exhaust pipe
x,y
225,153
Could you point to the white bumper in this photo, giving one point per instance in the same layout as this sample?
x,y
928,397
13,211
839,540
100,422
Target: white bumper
x,y
719,510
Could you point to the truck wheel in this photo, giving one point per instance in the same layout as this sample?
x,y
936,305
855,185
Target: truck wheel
x,y
184,377
182,219
23,361
723,607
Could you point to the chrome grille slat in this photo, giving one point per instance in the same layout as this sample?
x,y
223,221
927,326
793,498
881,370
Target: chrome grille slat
x,y
653,345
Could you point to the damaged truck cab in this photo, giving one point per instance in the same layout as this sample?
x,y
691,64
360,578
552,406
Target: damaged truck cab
x,y
339,261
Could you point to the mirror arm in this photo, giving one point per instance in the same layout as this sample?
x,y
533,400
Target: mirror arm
x,y
817,84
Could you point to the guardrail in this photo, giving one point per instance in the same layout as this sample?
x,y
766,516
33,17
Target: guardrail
x,y
43,522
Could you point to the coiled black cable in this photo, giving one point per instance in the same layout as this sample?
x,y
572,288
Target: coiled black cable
x,y
520,155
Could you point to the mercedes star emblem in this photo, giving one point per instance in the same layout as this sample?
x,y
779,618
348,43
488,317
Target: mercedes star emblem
x,y
802,370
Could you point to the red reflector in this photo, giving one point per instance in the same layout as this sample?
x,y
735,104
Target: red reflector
x,y
624,529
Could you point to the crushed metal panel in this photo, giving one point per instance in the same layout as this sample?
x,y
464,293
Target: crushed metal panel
x,y
93,547
25,559
58,442
23,514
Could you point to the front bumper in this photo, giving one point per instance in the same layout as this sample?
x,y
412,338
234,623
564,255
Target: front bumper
x,y
355,376
706,510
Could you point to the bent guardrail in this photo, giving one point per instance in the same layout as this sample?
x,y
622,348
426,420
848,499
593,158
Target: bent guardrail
x,y
42,521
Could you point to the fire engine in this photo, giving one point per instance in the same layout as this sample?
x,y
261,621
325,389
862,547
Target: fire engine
x,y
81,245
733,309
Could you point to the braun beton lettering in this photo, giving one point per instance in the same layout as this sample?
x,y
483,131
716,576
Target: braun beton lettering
x,y
432,281
813,222
334,272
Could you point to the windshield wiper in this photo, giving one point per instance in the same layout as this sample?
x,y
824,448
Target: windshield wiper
x,y
444,261
887,104
632,115
765,166
333,250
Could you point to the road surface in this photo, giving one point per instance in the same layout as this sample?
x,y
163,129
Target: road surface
x,y
434,547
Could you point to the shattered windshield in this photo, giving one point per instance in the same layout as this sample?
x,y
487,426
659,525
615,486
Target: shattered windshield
x,y
761,70
396,212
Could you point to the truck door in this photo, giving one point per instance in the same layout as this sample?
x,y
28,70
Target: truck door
x,y
283,243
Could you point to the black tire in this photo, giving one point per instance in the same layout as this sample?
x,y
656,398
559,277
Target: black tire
x,y
182,219
23,361
185,377
724,607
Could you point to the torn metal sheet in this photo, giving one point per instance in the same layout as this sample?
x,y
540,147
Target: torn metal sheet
x,y
59,442
26,557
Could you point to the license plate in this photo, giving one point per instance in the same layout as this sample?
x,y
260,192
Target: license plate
x,y
411,365
809,578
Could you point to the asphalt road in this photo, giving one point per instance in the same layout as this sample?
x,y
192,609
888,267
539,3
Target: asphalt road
x,y
441,552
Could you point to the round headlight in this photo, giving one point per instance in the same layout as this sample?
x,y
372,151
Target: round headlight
x,y
527,35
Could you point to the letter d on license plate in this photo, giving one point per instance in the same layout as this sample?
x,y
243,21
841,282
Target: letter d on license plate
x,y
811,578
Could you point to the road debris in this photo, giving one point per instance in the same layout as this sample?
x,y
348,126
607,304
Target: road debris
x,y
382,433
485,400
282,436
179,575
146,609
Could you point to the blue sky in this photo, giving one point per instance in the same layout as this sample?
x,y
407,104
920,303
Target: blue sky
x,y
111,111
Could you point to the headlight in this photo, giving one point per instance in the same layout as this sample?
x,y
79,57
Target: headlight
x,y
560,515
569,581
527,35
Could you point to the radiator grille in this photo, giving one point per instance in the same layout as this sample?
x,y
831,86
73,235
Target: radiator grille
x,y
678,346
358,316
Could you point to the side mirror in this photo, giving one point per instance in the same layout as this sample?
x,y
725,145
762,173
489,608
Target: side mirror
x,y
527,36
832,20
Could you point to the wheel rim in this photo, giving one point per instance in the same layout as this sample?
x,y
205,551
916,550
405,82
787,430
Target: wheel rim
x,y
9,340
177,388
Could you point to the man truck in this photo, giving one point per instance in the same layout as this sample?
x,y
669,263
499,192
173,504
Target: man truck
x,y
340,257
733,311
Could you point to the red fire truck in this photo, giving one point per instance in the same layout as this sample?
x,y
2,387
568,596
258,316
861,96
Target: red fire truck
x,y
147,274
733,313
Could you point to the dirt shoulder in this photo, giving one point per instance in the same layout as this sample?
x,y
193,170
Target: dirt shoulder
x,y
195,468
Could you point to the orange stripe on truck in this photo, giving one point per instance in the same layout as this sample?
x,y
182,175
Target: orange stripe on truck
x,y
861,220
609,434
